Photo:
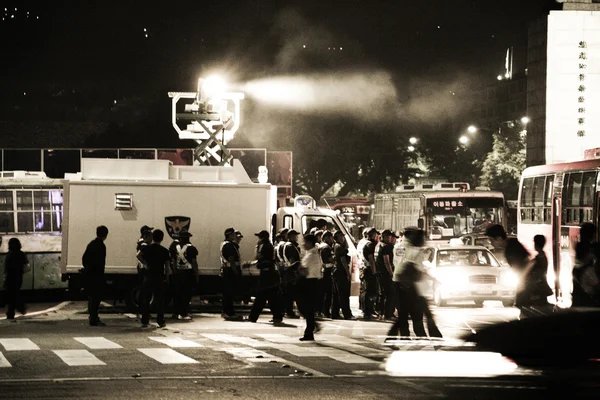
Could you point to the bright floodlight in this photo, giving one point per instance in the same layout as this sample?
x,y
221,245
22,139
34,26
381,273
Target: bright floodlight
x,y
211,87
411,148
463,140
413,140
472,129
499,77
525,120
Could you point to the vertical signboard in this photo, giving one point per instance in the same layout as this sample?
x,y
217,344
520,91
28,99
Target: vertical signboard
x,y
573,85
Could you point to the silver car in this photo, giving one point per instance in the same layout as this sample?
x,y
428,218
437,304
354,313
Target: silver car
x,y
467,273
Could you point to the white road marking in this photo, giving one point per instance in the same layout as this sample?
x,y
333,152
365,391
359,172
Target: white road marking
x,y
168,356
78,357
357,348
298,351
98,343
278,338
226,338
357,331
48,310
257,356
335,338
4,362
343,356
18,344
175,342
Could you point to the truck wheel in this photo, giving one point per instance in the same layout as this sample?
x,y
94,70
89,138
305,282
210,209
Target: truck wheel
x,y
437,297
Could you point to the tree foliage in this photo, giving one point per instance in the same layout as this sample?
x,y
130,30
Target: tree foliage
x,y
504,164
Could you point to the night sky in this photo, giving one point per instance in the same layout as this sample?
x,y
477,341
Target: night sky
x,y
95,52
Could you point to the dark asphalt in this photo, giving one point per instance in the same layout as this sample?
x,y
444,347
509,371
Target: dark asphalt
x,y
245,360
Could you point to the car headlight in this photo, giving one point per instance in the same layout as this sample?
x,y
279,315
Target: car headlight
x,y
455,281
510,279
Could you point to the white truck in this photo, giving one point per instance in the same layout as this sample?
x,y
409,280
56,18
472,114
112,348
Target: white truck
x,y
126,194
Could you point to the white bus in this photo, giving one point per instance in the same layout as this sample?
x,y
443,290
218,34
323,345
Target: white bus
x,y
31,210
554,200
443,210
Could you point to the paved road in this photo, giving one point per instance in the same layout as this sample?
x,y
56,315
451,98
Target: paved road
x,y
57,355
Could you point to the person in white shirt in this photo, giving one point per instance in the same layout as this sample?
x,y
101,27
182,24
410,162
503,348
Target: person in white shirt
x,y
308,285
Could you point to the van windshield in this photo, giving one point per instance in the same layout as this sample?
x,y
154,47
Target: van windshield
x,y
310,221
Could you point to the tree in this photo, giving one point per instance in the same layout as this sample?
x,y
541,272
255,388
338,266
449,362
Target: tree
x,y
504,164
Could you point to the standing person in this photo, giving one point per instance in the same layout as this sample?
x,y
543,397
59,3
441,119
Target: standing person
x,y
230,270
328,262
308,289
15,265
535,284
368,274
341,278
406,275
157,258
291,256
145,239
514,252
94,262
585,278
185,275
361,266
238,238
384,261
322,224
268,284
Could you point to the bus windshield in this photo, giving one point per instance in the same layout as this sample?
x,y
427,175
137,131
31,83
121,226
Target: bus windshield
x,y
456,216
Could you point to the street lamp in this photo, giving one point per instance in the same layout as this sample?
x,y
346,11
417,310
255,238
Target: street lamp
x,y
413,140
472,129
463,140
525,120
411,148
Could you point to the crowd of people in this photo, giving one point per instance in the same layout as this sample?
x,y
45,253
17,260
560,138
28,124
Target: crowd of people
x,y
317,277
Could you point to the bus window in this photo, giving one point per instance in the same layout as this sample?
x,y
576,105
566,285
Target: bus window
x,y
24,200
288,222
548,192
527,193
588,186
538,191
7,222
6,200
573,194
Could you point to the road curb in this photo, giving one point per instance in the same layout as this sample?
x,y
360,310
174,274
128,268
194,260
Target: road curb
x,y
41,312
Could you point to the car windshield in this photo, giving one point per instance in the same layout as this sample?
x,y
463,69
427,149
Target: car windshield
x,y
466,257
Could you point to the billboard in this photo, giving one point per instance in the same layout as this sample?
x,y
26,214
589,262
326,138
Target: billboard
x,y
573,85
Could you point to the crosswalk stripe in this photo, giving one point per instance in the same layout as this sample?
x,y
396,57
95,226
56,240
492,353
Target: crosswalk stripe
x,y
246,341
18,344
357,348
175,342
335,338
98,343
78,357
298,351
343,356
249,353
167,356
277,338
4,362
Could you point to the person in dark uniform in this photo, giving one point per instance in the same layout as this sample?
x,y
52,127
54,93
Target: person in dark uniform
x,y
291,256
368,274
15,265
94,262
309,273
145,239
157,258
268,284
384,262
230,270
322,224
238,238
341,278
184,266
328,262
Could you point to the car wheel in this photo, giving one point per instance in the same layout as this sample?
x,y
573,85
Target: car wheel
x,y
437,297
479,303
508,303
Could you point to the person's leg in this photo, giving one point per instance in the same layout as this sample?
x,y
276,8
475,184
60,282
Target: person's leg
x,y
159,301
228,292
272,296
416,312
400,326
310,288
335,298
10,301
145,296
257,307
328,292
390,301
344,296
189,286
432,327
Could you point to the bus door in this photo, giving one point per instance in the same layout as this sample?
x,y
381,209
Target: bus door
x,y
557,241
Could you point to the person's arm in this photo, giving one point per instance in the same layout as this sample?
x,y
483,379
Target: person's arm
x,y
140,257
371,260
388,264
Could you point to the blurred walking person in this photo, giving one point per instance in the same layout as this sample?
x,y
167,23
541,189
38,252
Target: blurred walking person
x,y
406,275
369,285
585,271
268,284
15,265
94,262
309,273
158,259
535,282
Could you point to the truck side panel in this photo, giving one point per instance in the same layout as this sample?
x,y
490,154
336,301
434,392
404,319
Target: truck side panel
x,y
212,208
